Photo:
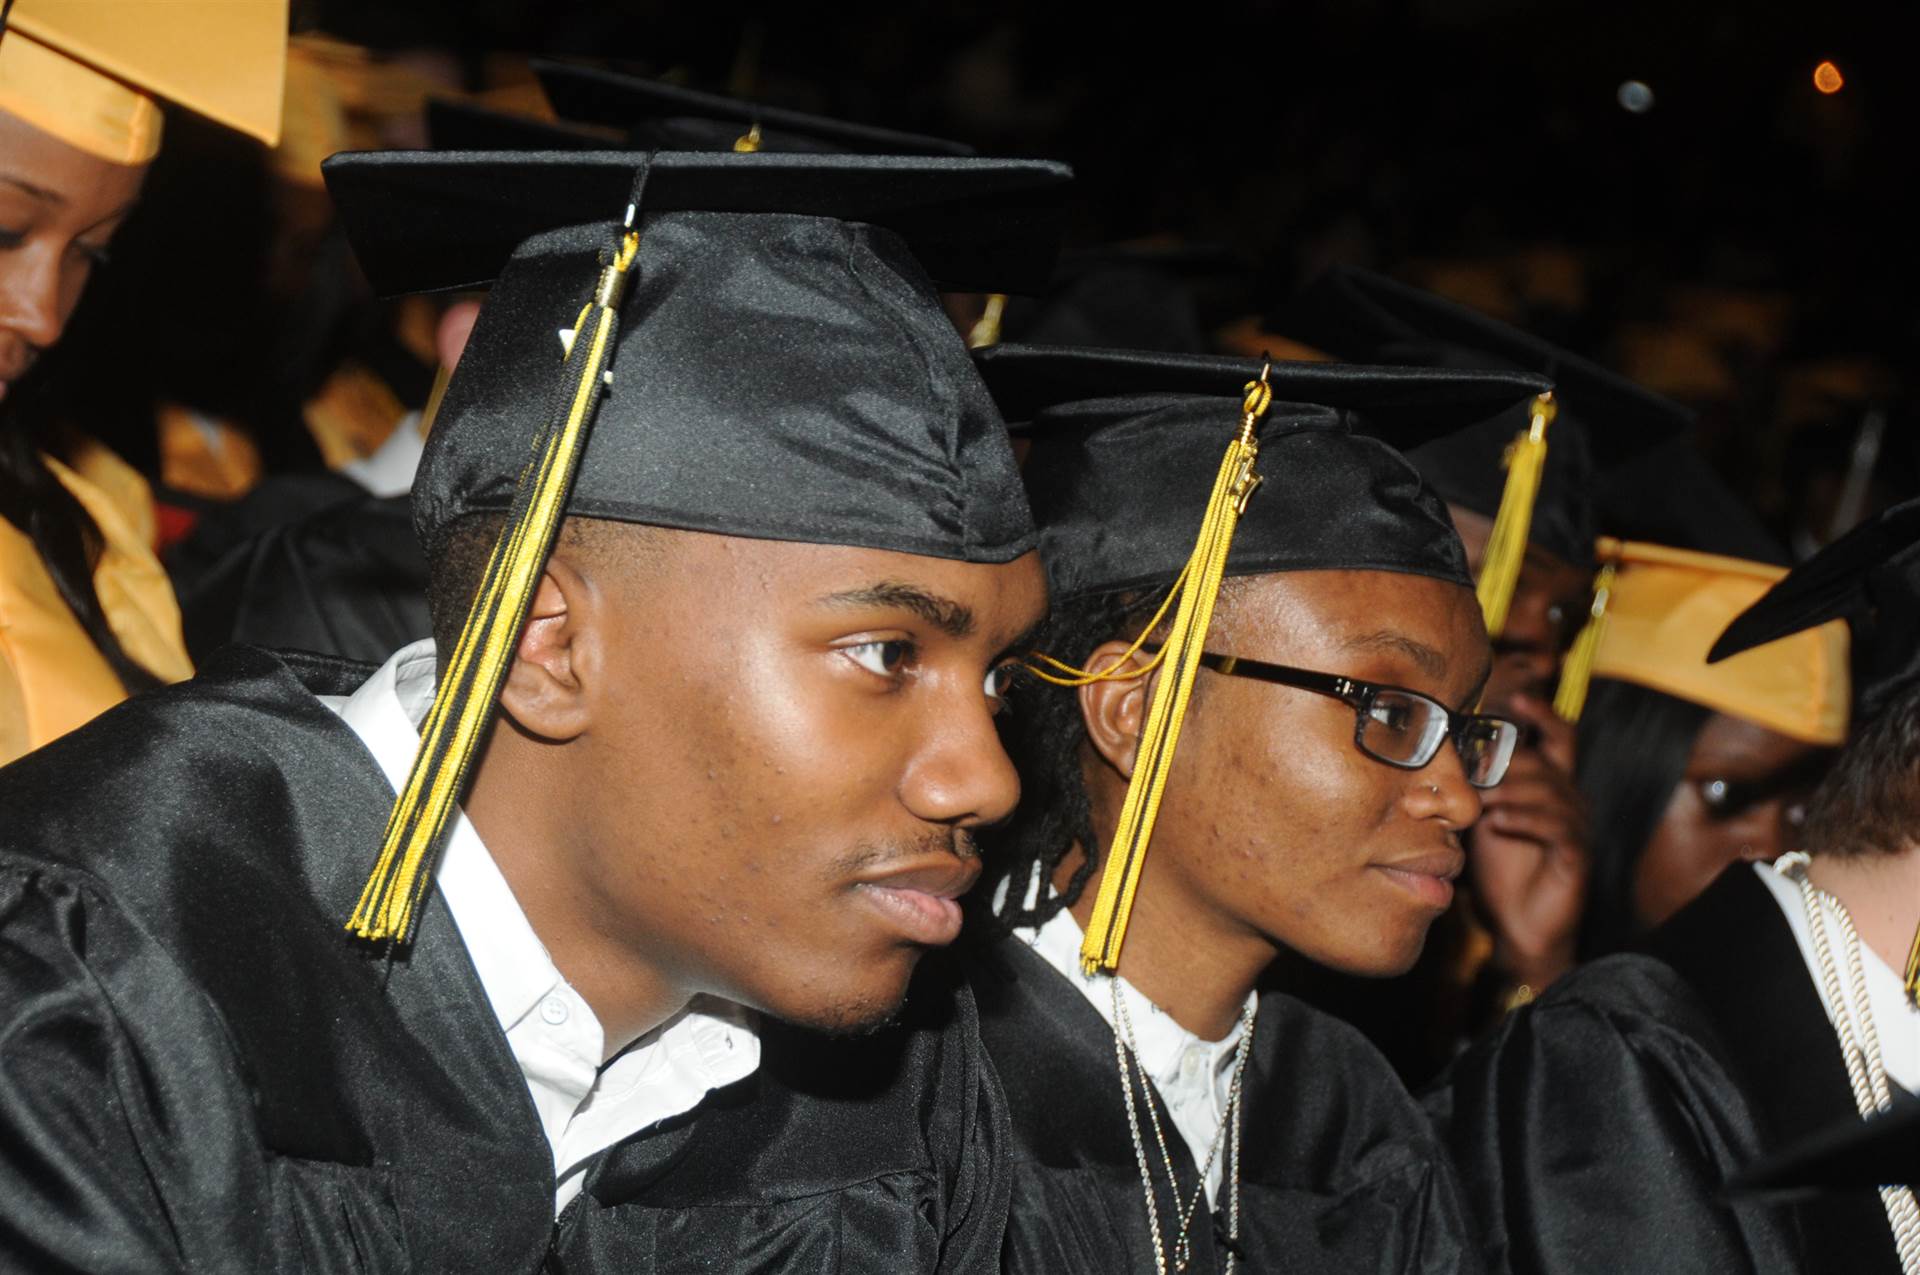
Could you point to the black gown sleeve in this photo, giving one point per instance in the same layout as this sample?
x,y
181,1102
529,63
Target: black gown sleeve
x,y
1596,1128
119,1149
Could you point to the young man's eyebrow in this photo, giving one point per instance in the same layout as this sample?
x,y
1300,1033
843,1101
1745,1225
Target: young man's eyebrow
x,y
38,192
955,619
1431,662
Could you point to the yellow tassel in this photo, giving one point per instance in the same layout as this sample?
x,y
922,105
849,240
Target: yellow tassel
x,y
463,702
748,143
442,377
1507,546
1913,971
1576,674
1197,588
986,330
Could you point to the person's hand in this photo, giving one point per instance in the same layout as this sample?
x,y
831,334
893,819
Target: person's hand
x,y
1528,854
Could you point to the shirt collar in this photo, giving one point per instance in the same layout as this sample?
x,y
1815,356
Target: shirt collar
x,y
1159,1042
512,963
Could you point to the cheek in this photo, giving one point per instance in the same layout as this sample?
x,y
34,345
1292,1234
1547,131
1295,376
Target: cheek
x,y
1687,851
73,281
1290,804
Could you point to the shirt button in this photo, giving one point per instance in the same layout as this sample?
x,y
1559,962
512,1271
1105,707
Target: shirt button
x,y
1190,1066
553,1010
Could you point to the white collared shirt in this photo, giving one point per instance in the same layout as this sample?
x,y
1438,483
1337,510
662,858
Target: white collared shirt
x,y
1895,1020
556,1039
1194,1076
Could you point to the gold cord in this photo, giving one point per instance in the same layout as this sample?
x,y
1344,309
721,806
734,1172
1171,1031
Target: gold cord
x,y
1197,589
1576,674
1507,545
469,684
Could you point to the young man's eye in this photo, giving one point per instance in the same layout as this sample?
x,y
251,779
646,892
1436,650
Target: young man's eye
x,y
881,658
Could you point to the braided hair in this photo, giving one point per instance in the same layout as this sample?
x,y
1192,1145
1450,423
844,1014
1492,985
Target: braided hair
x,y
1043,735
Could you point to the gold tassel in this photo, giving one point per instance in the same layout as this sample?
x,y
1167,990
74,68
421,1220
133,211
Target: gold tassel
x,y
463,703
1197,588
986,330
748,143
442,377
1913,971
1576,674
1507,546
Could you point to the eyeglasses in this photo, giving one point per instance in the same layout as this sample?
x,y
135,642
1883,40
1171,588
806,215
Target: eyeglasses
x,y
1400,727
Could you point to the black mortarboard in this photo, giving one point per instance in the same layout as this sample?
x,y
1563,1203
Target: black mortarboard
x,y
666,116
1134,296
1175,471
1883,1150
717,342
1870,577
1125,445
428,221
1603,419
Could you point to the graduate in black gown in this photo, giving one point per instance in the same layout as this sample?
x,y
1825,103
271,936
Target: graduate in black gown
x,y
1600,1127
615,996
1303,811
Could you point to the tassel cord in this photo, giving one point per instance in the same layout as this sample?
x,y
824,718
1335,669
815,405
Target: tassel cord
x,y
472,676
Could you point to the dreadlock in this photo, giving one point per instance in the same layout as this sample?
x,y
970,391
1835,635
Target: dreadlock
x,y
1043,735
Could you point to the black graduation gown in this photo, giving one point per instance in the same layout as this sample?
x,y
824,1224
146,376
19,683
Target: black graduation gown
x,y
198,1071
1340,1169
348,580
1596,1128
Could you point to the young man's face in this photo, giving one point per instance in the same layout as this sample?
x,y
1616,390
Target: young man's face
x,y
792,748
1274,823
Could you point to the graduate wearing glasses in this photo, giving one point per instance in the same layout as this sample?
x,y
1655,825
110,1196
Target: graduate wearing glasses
x,y
1312,644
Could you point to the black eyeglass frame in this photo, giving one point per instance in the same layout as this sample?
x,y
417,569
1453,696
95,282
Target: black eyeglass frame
x,y
1360,696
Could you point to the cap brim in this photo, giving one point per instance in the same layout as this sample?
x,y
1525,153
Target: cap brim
x,y
1882,1151
1356,314
1405,405
1831,585
427,221
597,96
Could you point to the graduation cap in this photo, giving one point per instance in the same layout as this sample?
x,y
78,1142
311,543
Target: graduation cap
x,y
1137,296
1870,577
1882,1150
1503,470
1683,555
668,117
88,71
431,221
1284,466
722,343
1659,608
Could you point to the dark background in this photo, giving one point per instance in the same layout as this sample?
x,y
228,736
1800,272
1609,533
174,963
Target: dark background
x,y
1744,245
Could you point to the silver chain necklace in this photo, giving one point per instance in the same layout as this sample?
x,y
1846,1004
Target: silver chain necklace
x,y
1859,1040
1228,1134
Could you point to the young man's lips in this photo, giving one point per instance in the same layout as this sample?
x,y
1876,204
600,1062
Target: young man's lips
x,y
1429,878
920,899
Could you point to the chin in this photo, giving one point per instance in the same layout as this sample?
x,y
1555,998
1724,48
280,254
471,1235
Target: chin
x,y
1389,956
838,1007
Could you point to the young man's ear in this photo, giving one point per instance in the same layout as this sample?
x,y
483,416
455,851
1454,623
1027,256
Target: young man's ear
x,y
545,691
1113,710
